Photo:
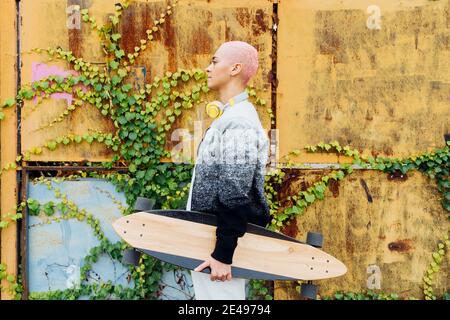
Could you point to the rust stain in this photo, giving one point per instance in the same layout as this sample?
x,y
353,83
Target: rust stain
x,y
137,19
285,188
404,245
259,25
227,31
334,187
75,35
290,230
200,42
170,43
242,16
131,32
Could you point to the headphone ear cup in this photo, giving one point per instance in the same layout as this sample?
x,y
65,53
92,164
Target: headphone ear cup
x,y
214,109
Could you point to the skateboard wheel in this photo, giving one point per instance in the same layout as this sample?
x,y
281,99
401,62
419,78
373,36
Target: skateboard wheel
x,y
309,291
143,204
131,256
314,239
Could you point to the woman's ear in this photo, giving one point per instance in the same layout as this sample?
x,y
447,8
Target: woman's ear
x,y
237,67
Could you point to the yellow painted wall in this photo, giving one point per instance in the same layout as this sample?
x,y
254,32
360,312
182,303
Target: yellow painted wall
x,y
394,226
384,91
8,131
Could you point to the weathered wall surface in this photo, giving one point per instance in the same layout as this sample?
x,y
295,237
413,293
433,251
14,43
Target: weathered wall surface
x,y
376,78
187,40
386,233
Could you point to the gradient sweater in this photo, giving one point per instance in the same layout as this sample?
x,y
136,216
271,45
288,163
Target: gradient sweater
x,y
228,177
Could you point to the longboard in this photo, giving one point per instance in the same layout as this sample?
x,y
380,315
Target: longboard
x,y
187,238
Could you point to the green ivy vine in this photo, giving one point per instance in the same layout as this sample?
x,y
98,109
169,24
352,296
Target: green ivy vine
x,y
435,165
142,116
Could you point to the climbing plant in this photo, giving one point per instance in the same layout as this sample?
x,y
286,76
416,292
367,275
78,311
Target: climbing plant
x,y
142,116
435,165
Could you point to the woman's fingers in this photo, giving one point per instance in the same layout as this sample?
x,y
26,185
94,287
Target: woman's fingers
x,y
202,266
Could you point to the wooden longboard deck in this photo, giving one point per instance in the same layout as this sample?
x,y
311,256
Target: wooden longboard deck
x,y
187,238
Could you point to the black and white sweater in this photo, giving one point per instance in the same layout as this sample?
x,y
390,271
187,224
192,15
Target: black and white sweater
x,y
228,178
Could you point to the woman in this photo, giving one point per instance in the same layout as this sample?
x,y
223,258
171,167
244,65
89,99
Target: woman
x,y
228,178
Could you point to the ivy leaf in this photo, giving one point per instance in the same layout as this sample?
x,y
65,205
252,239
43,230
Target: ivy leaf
x,y
48,208
140,174
126,87
2,115
309,197
28,94
9,102
114,64
119,53
98,87
132,167
51,145
122,120
122,72
116,36
132,136
89,139
447,195
129,116
3,224
114,20
446,204
115,80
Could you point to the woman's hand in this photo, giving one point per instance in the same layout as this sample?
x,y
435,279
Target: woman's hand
x,y
219,271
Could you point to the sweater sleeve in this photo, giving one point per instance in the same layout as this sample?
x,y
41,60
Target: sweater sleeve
x,y
236,169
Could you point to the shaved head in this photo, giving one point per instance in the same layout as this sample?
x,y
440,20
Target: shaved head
x,y
241,52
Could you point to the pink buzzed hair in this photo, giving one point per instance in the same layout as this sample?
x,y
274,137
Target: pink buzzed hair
x,y
242,52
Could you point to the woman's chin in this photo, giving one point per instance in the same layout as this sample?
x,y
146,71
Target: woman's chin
x,y
210,84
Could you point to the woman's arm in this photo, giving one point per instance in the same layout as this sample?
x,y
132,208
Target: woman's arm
x,y
235,171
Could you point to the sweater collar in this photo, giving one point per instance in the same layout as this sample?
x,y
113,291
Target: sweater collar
x,y
236,99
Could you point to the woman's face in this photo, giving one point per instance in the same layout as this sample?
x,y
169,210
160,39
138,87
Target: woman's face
x,y
219,70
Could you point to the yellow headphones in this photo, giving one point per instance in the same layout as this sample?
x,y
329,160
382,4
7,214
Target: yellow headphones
x,y
216,108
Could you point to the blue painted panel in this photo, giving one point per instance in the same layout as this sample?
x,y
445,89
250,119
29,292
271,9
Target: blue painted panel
x,y
56,251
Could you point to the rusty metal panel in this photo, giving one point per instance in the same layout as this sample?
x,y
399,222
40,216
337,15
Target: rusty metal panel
x,y
373,75
8,127
45,25
386,231
56,250
186,40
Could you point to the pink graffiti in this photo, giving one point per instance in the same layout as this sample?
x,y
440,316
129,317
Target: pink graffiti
x,y
41,71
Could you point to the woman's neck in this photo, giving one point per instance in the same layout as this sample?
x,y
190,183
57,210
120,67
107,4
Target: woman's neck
x,y
229,92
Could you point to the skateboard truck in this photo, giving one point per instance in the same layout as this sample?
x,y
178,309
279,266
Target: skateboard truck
x,y
314,239
131,256
143,204
309,290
